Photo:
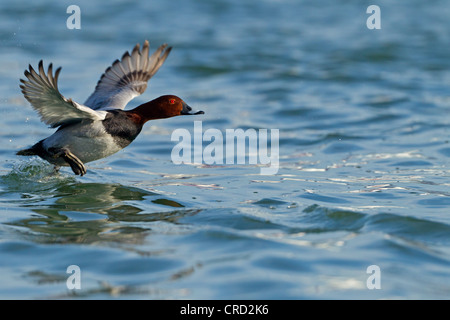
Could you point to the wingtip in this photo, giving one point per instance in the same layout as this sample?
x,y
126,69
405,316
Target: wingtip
x,y
126,54
145,50
55,78
136,49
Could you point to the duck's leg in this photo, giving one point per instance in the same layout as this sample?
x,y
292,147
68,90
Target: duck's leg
x,y
75,163
77,166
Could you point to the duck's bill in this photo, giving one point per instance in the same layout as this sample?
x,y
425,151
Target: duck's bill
x,y
187,110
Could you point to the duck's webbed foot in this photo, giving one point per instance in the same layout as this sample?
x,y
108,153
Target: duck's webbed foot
x,y
77,166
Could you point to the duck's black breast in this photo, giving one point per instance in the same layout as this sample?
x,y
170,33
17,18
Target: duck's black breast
x,y
121,127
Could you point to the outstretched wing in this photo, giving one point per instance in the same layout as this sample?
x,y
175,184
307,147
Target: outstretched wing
x,y
127,79
41,90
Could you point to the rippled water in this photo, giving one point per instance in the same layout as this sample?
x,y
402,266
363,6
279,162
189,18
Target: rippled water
x,y
363,117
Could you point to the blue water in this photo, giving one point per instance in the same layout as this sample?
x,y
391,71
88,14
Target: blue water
x,y
364,123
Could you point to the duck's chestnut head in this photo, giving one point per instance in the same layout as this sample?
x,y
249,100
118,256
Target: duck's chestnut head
x,y
163,107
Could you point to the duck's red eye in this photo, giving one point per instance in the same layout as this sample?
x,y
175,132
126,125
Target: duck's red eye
x,y
172,101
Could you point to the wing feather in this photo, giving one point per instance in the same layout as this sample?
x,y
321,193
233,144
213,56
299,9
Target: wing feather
x,y
127,78
41,90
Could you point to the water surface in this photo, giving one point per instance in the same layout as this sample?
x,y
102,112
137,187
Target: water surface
x,y
364,122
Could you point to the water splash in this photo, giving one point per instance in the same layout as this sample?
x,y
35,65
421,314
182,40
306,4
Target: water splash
x,y
32,175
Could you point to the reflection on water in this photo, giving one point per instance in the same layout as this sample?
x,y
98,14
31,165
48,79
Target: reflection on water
x,y
67,211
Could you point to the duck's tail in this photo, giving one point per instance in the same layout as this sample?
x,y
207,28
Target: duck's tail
x,y
26,152
35,150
